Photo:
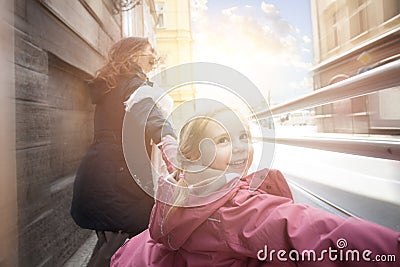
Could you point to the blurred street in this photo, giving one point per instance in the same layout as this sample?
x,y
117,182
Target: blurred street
x,y
360,186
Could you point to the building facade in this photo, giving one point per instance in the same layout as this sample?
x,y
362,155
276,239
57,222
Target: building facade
x,y
174,44
58,45
350,37
141,21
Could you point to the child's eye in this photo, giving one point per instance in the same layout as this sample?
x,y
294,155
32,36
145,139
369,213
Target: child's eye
x,y
223,140
244,136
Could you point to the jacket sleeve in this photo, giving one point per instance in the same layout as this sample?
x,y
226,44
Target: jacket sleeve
x,y
142,123
156,126
257,224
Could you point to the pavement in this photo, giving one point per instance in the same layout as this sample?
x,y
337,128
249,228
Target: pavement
x,y
82,255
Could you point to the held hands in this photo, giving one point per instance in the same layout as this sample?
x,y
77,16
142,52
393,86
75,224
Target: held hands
x,y
169,148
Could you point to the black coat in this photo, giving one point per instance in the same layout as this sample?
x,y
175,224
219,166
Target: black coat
x,y
105,196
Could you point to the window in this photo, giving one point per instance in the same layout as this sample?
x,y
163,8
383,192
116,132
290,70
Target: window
x,y
391,8
358,17
333,39
128,23
160,15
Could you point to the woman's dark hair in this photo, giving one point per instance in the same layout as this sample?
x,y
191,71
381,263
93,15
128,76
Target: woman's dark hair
x,y
122,60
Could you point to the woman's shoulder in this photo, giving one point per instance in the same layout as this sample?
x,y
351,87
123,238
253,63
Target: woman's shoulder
x,y
145,92
129,85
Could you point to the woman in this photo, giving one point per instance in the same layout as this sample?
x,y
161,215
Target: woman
x,y
244,227
105,196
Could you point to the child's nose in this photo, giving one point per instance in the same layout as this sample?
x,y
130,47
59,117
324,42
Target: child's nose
x,y
238,146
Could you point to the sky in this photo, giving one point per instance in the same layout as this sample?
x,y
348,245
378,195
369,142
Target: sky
x,y
268,41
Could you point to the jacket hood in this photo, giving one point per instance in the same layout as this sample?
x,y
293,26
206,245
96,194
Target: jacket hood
x,y
173,229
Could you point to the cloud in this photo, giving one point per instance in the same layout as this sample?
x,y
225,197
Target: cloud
x,y
229,11
238,31
306,39
304,84
255,41
269,9
199,4
198,9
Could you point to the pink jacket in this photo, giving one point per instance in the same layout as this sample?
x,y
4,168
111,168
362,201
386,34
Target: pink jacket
x,y
260,228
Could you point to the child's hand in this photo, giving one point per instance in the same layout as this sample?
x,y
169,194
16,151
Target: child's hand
x,y
169,148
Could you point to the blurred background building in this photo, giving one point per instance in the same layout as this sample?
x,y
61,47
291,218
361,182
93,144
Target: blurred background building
x,y
174,45
352,37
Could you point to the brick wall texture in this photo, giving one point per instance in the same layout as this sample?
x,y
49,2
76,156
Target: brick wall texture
x,y
54,127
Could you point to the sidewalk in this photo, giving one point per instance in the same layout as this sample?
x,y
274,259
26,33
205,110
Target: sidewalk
x,y
82,255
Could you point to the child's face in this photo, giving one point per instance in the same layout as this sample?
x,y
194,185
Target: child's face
x,y
233,150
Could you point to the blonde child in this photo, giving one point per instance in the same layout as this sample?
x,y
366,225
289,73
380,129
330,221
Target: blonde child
x,y
242,227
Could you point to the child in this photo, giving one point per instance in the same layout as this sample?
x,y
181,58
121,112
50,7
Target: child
x,y
243,227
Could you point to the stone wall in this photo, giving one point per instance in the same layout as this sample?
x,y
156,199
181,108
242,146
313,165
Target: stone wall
x,y
58,46
54,127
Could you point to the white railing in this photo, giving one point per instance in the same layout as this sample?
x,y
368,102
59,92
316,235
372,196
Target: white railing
x,y
382,77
